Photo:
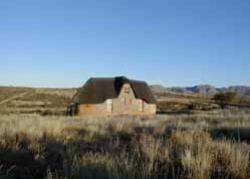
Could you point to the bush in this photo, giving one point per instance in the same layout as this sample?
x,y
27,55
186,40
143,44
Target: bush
x,y
224,99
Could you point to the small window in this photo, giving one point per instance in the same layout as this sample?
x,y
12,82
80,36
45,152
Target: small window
x,y
109,105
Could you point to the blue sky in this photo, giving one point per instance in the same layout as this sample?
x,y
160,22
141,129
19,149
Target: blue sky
x,y
61,43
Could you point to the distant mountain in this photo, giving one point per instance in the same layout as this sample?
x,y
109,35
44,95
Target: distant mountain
x,y
207,90
201,89
158,89
242,90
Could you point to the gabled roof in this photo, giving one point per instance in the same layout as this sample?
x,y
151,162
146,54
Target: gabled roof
x,y
98,90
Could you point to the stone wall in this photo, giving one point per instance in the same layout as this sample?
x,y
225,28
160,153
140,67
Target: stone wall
x,y
125,104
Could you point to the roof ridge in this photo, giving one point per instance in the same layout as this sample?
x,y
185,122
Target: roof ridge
x,y
97,90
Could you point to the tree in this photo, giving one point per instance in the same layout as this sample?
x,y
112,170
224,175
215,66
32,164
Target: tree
x,y
224,99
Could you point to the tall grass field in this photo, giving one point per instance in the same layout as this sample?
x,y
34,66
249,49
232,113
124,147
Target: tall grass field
x,y
198,146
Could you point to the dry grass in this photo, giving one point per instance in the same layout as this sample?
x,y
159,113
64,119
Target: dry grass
x,y
35,101
7,92
177,146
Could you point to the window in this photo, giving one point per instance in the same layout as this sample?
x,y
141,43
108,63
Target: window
x,y
109,105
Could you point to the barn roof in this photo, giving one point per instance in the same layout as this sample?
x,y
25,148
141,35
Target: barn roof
x,y
97,90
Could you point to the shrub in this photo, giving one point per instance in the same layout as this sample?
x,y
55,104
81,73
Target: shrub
x,y
224,99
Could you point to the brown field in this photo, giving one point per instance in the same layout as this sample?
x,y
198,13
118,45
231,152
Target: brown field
x,y
41,101
38,141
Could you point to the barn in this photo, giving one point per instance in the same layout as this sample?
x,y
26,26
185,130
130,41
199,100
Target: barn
x,y
113,96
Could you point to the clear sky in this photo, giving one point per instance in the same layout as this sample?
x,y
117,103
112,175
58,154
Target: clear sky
x,y
61,43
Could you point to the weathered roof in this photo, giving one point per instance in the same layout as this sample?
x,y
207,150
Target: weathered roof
x,y
97,90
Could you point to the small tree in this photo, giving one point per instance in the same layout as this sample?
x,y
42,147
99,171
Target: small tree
x,y
224,99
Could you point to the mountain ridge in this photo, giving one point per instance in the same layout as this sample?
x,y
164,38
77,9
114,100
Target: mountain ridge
x,y
203,89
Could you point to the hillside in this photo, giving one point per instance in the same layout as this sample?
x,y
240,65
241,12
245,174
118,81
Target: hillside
x,y
43,101
206,90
